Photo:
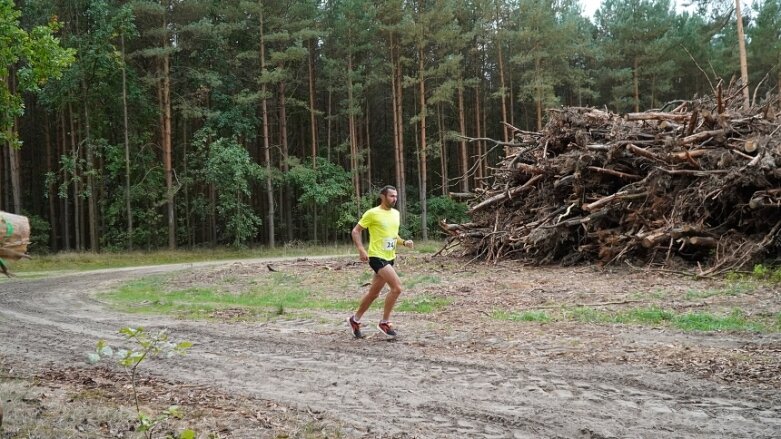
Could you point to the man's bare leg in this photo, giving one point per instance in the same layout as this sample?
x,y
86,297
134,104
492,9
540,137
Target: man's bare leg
x,y
374,291
389,276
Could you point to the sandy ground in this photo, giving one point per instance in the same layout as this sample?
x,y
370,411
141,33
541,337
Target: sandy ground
x,y
453,373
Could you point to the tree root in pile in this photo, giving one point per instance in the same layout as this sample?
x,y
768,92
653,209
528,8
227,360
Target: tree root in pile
x,y
700,185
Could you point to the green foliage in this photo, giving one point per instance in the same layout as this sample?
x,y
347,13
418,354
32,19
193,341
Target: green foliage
x,y
445,208
322,184
764,45
39,234
635,38
228,167
765,273
37,56
145,345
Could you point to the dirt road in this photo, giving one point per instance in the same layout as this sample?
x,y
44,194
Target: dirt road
x,y
452,374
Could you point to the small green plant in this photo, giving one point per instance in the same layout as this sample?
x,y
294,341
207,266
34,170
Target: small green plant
x,y
146,346
769,274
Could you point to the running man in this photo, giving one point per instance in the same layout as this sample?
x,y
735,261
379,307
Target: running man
x,y
383,225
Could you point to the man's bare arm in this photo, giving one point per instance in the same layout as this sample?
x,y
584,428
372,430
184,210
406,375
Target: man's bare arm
x,y
356,235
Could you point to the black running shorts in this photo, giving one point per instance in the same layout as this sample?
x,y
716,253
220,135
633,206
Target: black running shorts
x,y
378,264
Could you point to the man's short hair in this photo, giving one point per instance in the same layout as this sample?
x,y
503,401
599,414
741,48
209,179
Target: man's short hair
x,y
387,188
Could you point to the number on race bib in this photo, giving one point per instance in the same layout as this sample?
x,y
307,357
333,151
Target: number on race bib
x,y
389,243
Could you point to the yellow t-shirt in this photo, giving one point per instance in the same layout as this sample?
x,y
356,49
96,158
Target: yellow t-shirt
x,y
383,226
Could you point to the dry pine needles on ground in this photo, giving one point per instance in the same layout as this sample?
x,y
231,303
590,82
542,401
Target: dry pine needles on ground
x,y
698,183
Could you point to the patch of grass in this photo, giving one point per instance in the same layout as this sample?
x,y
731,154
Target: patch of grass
x,y
421,279
281,293
657,294
428,246
734,288
735,321
760,272
586,315
523,316
423,304
650,315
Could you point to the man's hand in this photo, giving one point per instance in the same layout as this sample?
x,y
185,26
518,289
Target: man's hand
x,y
363,255
409,243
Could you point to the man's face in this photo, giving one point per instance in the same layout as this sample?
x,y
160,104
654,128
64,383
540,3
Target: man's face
x,y
390,198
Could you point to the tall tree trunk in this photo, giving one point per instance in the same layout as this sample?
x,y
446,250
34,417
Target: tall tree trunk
x,y
463,162
479,133
312,110
167,134
538,95
3,191
76,156
50,186
14,158
742,53
186,171
287,192
636,83
422,152
5,194
66,231
502,88
313,128
14,161
92,205
367,141
401,180
266,140
442,150
329,124
353,134
128,206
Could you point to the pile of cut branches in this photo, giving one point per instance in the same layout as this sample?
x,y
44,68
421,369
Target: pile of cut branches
x,y
699,183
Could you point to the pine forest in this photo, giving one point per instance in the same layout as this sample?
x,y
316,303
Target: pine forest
x,y
184,123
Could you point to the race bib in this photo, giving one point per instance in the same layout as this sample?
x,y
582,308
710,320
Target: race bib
x,y
389,244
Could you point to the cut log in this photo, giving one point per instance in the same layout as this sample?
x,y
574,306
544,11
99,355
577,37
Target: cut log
x,y
653,238
704,135
658,116
623,195
505,195
703,241
615,173
14,236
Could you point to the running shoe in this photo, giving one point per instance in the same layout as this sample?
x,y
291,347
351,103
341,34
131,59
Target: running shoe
x,y
355,327
387,329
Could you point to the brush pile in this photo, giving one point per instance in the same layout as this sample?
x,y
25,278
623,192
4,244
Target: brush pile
x,y
697,183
